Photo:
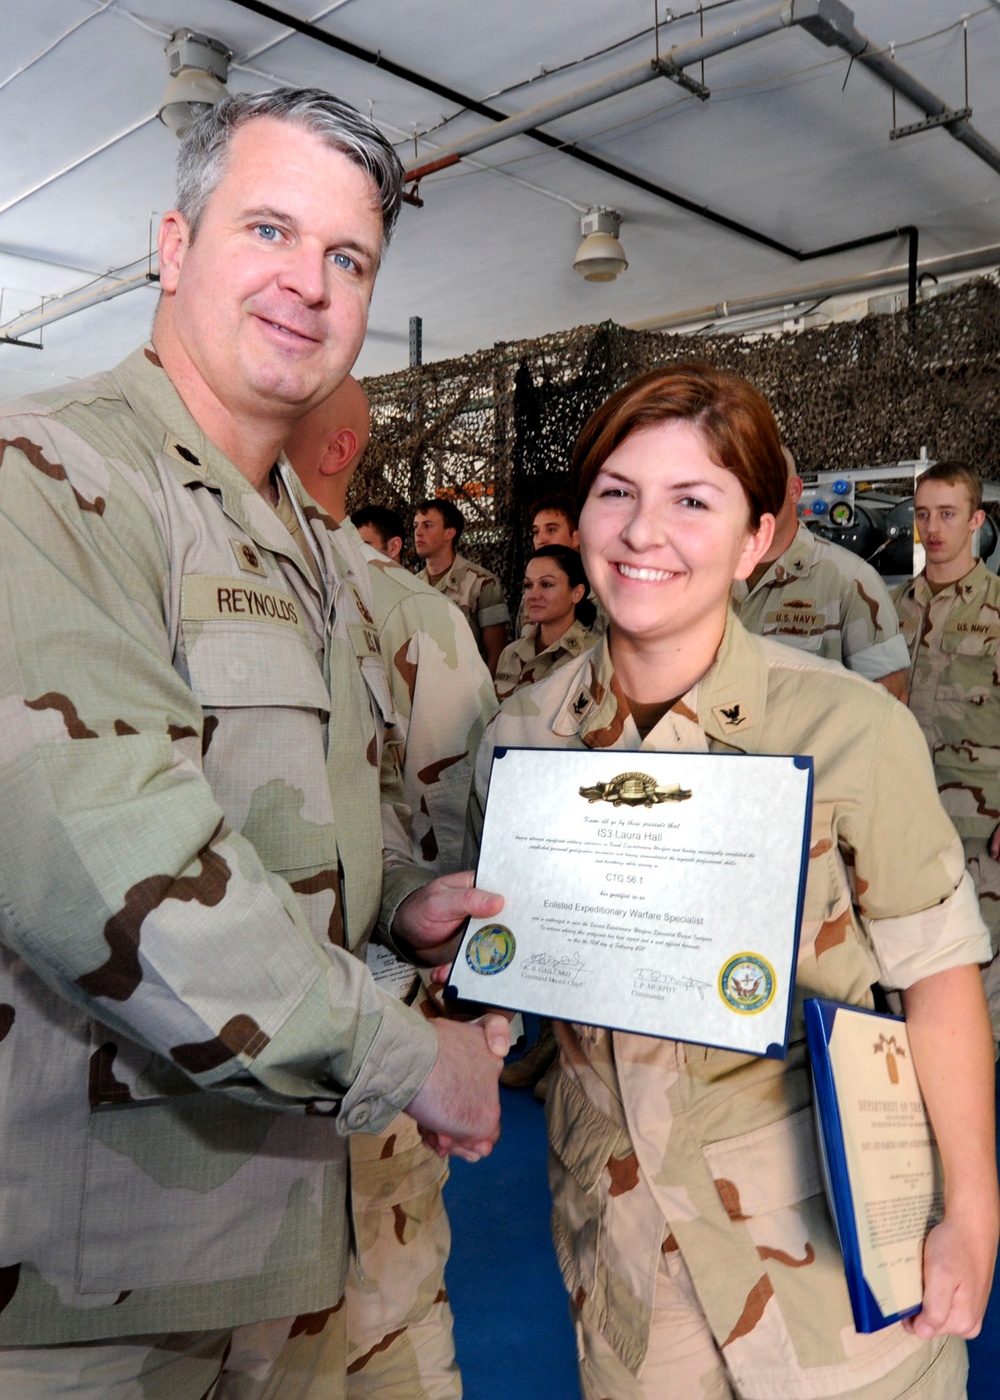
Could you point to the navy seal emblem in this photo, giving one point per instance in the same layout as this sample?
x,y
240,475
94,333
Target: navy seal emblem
x,y
747,983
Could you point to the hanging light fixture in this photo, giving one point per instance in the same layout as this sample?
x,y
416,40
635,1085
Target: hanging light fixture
x,y
600,257
199,67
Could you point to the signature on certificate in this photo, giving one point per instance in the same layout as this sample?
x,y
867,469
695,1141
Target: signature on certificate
x,y
653,979
553,967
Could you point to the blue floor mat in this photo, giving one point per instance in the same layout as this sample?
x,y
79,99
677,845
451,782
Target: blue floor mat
x,y
512,1329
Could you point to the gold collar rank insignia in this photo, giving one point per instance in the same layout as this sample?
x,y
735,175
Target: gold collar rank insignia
x,y
247,558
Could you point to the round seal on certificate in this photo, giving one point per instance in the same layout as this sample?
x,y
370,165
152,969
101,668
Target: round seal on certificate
x,y
490,949
746,983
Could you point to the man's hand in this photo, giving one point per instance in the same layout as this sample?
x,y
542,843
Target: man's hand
x,y
428,919
458,1105
995,844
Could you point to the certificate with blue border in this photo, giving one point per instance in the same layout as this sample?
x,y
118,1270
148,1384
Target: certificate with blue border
x,y
883,1175
652,892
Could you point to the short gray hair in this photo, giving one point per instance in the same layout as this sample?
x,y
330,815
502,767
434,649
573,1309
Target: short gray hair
x,y
201,163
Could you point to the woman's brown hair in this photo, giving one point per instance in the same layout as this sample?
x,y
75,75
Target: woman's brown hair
x,y
732,416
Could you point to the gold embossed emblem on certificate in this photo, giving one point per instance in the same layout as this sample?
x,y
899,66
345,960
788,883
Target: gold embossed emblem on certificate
x,y
634,790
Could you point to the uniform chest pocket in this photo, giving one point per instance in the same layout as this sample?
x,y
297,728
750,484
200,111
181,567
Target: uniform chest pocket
x,y
978,642
967,699
245,644
251,663
797,623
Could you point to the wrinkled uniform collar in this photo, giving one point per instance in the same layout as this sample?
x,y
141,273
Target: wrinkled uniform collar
x,y
727,704
965,588
794,563
196,460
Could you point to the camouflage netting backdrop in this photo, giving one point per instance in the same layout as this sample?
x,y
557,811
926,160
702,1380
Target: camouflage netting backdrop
x,y
495,430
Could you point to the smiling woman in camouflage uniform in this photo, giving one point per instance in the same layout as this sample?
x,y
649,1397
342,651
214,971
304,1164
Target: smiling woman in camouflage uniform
x,y
688,1211
560,619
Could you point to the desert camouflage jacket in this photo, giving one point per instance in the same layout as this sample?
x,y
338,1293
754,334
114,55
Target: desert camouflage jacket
x,y
190,838
443,699
827,601
954,642
520,664
663,1145
474,590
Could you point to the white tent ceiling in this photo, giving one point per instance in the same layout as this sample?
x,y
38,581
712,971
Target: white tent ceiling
x,y
793,144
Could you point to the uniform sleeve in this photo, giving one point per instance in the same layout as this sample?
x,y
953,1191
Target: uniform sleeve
x,y
124,888
402,875
491,606
870,639
916,900
444,695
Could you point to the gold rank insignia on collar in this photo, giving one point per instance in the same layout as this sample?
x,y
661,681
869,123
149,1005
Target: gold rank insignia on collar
x,y
248,558
732,717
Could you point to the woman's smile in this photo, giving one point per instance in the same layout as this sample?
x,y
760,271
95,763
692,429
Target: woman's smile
x,y
663,532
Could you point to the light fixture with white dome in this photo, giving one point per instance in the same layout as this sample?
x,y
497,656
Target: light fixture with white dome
x,y
199,67
600,257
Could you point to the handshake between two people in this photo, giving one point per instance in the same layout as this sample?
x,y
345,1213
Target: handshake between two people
x,y
458,1106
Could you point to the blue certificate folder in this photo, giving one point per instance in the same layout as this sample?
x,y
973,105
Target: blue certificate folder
x,y
866,1213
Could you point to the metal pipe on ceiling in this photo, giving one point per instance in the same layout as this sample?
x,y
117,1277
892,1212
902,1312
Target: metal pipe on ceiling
x,y
472,104
908,231
680,56
829,21
375,57
57,308
970,261
833,24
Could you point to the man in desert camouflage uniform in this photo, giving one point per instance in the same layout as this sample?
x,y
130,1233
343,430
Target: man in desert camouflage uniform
x,y
810,593
194,706
950,617
437,529
399,1322
688,1200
